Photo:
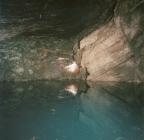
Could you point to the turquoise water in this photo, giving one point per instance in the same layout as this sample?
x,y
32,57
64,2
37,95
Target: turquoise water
x,y
45,111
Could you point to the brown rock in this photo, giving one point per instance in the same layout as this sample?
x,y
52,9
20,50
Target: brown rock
x,y
106,54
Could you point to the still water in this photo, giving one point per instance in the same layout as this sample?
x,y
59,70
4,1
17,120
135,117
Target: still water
x,y
46,111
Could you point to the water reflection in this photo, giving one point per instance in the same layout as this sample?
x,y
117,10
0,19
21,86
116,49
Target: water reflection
x,y
72,88
113,116
44,111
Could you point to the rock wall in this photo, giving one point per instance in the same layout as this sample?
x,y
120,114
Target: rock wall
x,y
35,58
114,51
36,37
38,45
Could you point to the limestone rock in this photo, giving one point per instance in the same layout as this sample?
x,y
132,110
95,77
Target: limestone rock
x,y
106,53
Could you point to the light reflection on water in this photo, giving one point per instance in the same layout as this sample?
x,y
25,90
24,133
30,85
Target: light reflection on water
x,y
45,111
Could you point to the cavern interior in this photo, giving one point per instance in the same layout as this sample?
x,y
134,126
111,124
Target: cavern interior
x,y
71,70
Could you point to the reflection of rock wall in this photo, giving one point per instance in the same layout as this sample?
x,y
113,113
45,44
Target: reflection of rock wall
x,y
14,94
113,112
36,109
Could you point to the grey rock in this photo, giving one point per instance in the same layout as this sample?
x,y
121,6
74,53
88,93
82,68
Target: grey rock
x,y
33,58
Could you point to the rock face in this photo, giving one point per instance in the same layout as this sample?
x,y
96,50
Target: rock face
x,y
114,50
38,45
36,36
106,53
35,58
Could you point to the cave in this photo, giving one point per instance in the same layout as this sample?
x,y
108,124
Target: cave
x,y
39,38
71,70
